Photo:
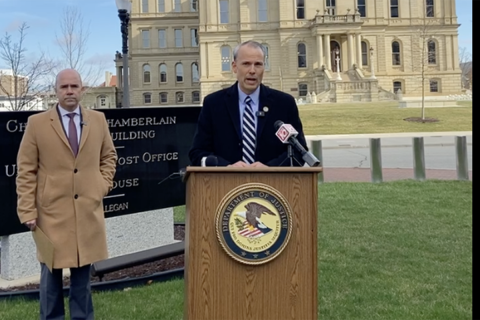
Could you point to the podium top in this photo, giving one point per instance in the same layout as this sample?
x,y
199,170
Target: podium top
x,y
194,169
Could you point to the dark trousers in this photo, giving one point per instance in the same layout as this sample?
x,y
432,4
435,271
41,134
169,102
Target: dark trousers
x,y
51,294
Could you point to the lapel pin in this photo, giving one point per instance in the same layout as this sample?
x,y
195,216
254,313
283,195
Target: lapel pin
x,y
265,109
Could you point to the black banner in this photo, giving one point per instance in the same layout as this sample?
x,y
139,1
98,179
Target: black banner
x,y
152,143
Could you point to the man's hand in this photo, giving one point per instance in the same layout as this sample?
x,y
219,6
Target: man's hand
x,y
258,165
32,224
239,164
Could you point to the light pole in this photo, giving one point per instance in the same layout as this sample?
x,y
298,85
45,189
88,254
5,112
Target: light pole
x,y
372,62
124,8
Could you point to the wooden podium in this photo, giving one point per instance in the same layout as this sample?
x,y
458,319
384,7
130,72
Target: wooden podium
x,y
218,285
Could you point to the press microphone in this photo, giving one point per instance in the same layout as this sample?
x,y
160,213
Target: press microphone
x,y
210,161
180,174
286,133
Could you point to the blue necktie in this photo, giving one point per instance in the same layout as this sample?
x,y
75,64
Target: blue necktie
x,y
249,134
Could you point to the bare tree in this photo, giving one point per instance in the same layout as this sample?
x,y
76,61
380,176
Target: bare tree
x,y
466,67
25,80
73,42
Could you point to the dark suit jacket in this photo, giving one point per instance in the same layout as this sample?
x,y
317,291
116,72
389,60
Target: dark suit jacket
x,y
219,132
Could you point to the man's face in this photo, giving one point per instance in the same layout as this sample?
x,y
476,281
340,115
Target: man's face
x,y
249,67
69,89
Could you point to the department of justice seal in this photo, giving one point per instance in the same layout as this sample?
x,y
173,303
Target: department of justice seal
x,y
254,223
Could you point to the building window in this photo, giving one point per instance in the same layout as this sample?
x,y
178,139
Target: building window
x,y
162,38
262,11
362,8
365,53
177,5
300,9
179,72
144,6
430,8
331,7
146,73
147,98
434,86
163,97
397,85
193,5
432,52
394,9
146,38
195,73
163,73
396,55
302,55
267,56
194,36
195,97
103,101
226,58
180,97
161,6
302,89
224,11
178,38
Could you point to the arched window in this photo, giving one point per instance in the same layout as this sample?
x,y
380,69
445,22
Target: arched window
x,y
195,73
163,97
179,72
432,52
146,73
365,56
226,52
196,97
302,55
147,98
396,54
163,73
302,89
180,97
398,85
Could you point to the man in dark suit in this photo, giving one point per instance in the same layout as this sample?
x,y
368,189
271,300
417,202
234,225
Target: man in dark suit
x,y
237,124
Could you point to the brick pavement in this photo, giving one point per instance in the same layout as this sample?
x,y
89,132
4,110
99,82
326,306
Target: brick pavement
x,y
364,174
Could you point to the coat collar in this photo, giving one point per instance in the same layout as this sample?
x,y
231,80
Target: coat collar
x,y
264,100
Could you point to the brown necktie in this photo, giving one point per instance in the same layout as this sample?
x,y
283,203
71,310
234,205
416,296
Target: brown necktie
x,y
72,134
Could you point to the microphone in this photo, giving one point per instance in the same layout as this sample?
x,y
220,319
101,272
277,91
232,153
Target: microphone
x,y
287,134
180,174
83,124
210,161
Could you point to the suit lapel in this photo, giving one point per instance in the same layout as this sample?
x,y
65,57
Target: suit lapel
x,y
57,125
265,104
231,100
85,128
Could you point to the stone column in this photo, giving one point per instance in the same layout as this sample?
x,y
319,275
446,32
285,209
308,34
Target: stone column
x,y
327,50
119,77
320,52
350,46
358,38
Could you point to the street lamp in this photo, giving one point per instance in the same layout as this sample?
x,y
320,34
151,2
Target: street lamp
x,y
124,8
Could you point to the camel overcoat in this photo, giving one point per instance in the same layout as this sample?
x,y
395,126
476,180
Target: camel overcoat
x,y
63,192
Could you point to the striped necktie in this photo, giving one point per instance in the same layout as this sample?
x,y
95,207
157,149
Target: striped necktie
x,y
249,134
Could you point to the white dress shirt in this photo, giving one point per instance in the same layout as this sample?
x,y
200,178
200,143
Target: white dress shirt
x,y
66,120
255,96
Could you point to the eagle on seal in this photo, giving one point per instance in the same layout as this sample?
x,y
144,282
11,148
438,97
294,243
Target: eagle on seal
x,y
254,212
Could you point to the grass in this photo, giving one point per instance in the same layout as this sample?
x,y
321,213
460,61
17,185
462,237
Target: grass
x,y
397,250
381,117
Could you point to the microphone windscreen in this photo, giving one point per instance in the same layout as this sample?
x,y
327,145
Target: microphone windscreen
x,y
278,124
211,161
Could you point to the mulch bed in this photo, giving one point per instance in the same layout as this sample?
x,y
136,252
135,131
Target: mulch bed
x,y
133,272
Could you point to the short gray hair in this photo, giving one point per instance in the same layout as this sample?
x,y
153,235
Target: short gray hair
x,y
250,43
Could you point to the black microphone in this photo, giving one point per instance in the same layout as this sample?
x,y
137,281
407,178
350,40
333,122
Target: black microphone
x,y
286,133
211,161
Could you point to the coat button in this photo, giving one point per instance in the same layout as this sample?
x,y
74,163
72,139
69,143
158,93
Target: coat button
x,y
76,196
75,171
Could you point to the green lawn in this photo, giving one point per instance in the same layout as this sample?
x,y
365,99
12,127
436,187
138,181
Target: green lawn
x,y
397,250
381,117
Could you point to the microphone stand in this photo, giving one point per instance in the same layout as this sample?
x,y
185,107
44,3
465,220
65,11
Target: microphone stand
x,y
290,156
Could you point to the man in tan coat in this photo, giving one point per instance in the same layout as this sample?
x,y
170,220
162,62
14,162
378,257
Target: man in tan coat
x,y
66,164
